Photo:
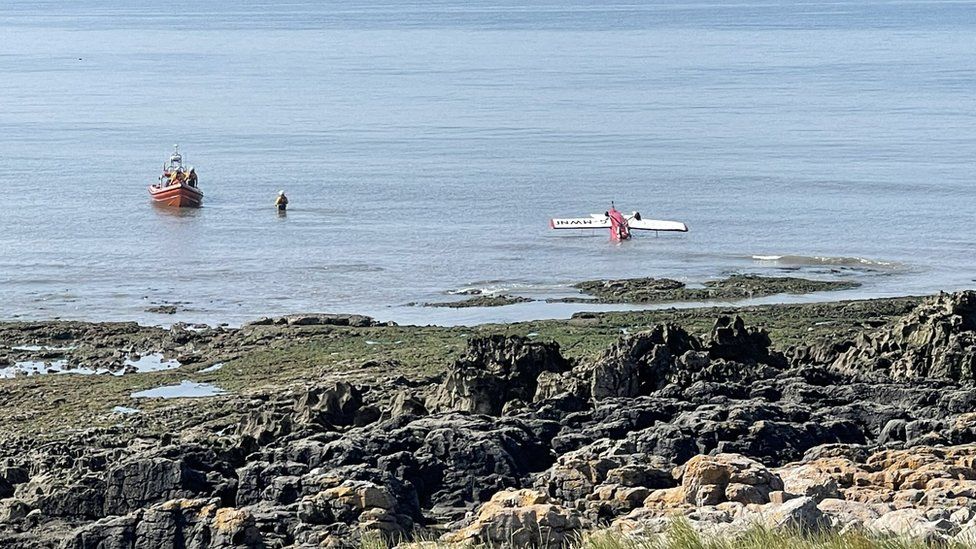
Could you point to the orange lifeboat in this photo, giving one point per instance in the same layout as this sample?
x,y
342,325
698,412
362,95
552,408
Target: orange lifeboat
x,y
177,186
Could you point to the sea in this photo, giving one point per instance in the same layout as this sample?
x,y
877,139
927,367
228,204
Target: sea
x,y
424,145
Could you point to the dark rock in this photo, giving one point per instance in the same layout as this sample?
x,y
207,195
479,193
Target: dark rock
x,y
162,309
190,524
472,464
732,340
482,301
12,510
495,370
331,407
76,498
141,481
261,427
329,319
406,405
936,340
656,290
639,364
256,482
108,533
893,431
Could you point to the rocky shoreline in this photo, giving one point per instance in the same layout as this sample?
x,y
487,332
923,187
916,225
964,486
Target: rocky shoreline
x,y
638,291
333,430
663,290
482,301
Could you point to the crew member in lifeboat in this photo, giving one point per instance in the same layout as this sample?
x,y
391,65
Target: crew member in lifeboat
x,y
191,177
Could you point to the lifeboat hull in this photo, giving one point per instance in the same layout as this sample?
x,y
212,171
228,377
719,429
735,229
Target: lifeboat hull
x,y
177,196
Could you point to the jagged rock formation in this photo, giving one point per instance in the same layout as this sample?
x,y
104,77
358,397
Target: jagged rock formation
x,y
936,340
496,370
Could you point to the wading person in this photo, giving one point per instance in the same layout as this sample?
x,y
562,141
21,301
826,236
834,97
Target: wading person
x,y
282,201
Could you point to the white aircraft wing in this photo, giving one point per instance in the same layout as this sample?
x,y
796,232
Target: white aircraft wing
x,y
592,222
656,225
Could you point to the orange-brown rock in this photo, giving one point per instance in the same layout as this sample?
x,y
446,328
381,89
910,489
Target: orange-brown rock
x,y
520,518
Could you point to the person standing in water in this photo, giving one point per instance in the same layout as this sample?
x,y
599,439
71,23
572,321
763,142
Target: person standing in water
x,y
282,201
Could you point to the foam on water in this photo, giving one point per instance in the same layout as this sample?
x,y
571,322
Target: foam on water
x,y
852,262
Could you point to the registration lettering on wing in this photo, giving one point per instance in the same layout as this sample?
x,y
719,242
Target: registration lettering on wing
x,y
575,222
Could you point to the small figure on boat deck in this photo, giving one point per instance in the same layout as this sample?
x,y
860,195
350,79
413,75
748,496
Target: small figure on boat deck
x,y
191,177
282,201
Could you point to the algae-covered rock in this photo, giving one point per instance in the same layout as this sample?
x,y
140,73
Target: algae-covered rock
x,y
482,301
742,286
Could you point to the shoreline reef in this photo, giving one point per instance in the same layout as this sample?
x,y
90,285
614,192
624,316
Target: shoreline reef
x,y
640,291
733,287
817,425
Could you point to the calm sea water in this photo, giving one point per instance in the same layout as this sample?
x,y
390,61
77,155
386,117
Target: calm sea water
x,y
424,145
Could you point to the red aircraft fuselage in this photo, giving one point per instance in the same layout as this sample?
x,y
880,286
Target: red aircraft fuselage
x,y
619,230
